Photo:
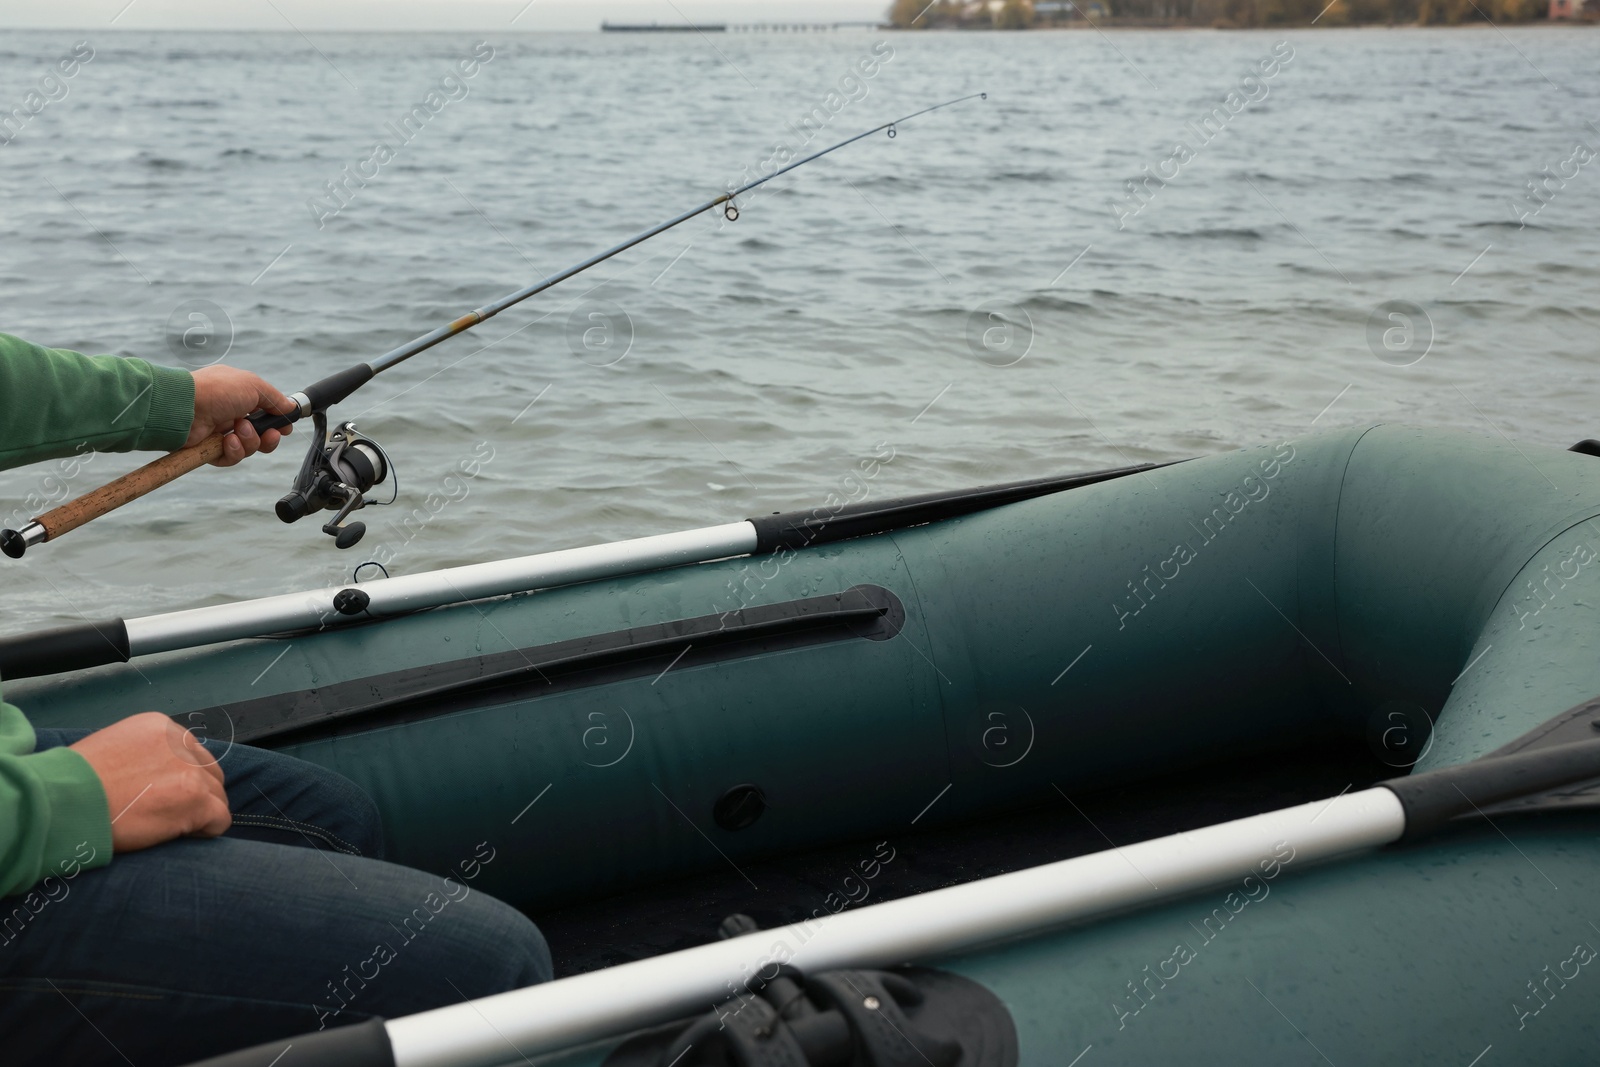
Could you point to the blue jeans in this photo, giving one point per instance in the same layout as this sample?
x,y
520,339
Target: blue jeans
x,y
288,923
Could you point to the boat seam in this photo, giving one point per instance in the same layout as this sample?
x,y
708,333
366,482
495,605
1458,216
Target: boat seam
x,y
1546,543
1338,509
922,616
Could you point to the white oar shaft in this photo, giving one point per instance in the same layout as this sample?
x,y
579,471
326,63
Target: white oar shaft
x,y
617,1000
393,596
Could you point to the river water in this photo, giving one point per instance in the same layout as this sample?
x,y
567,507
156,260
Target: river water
x,y
1339,243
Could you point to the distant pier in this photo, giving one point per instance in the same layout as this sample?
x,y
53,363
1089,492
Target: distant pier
x,y
656,27
801,27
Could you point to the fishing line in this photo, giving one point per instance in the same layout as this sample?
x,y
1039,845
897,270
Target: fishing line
x,y
342,464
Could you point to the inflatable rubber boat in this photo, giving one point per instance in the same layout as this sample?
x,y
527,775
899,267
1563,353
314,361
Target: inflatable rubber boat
x,y
1097,756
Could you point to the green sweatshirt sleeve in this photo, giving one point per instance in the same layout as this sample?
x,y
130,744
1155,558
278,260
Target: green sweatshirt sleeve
x,y
55,403
54,819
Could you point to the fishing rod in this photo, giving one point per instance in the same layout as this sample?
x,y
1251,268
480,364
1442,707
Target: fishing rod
x,y
341,466
94,643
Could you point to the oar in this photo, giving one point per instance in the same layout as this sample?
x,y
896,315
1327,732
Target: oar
x,y
91,644
617,1000
337,387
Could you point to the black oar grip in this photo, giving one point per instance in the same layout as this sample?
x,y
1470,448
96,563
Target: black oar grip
x,y
69,648
1434,798
361,1045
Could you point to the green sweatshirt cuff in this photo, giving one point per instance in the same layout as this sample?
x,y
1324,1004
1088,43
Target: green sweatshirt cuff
x,y
79,834
166,427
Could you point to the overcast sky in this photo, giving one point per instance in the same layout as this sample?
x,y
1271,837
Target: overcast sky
x,y
416,14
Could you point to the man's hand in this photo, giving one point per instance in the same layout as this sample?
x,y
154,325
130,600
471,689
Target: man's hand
x,y
160,782
223,396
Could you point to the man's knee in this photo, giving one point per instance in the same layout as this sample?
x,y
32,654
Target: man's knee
x,y
454,943
511,949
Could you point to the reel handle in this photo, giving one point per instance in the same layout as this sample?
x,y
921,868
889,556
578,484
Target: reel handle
x,y
131,486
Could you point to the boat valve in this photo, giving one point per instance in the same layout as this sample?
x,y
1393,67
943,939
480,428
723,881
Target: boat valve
x,y
339,468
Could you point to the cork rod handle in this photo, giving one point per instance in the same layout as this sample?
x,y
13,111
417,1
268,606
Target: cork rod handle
x,y
131,486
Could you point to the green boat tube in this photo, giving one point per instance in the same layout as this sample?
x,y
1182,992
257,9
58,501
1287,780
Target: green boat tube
x,y
1429,594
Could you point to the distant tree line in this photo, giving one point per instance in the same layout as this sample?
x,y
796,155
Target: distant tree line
x,y
1026,14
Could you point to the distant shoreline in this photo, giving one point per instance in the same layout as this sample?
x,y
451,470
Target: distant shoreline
x,y
1109,23
1230,14
1155,24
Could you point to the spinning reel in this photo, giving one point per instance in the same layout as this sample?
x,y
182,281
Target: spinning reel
x,y
338,470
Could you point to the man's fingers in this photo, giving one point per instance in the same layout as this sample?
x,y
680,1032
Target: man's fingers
x,y
269,399
189,746
210,815
208,763
214,819
245,430
225,396
232,451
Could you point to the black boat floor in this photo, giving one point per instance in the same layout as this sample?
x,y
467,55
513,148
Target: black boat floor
x,y
592,934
